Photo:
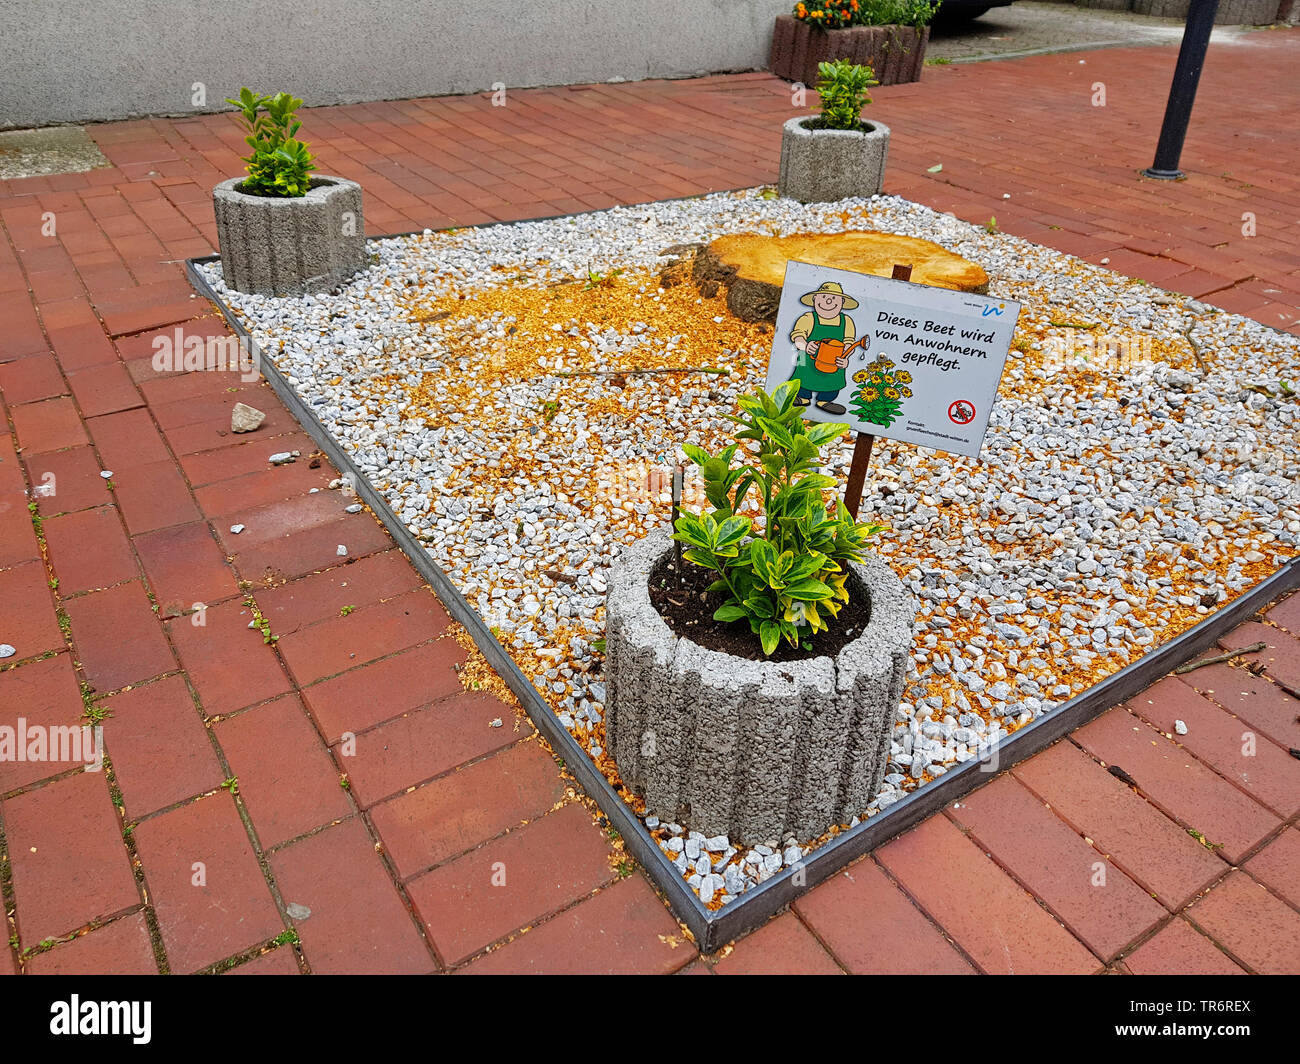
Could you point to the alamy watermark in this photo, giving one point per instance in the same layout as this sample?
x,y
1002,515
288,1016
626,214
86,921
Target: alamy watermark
x,y
182,353
77,1017
76,744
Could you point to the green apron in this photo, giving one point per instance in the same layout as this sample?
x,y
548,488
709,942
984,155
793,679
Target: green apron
x,y
807,374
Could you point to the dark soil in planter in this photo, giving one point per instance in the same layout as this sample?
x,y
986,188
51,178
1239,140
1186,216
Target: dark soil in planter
x,y
315,182
817,123
687,608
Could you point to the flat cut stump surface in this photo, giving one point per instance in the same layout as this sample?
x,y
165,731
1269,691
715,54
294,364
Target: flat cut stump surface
x,y
752,265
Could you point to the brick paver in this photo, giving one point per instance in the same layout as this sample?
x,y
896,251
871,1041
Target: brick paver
x,y
287,779
457,812
435,795
118,640
782,946
1280,657
1228,744
1169,776
623,929
207,889
1094,899
1252,924
1137,836
89,550
69,866
424,743
25,593
122,947
41,692
1257,700
995,921
469,903
160,750
358,923
873,928
1286,615
1177,949
73,474
1277,865
205,641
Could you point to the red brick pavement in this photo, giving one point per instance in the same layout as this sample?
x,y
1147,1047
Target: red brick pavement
x,y
132,593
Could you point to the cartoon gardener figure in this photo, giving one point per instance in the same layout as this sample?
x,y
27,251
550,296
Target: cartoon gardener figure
x,y
822,336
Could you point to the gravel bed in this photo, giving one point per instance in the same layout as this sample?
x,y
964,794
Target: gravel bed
x,y
1140,469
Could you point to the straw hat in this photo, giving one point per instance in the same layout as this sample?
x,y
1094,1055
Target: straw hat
x,y
835,289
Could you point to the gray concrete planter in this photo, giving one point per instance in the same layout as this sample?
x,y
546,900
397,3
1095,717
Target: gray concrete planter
x,y
290,247
824,165
754,750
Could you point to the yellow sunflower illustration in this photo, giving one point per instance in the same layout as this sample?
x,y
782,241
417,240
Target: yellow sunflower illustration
x,y
907,393
903,377
870,394
891,393
860,376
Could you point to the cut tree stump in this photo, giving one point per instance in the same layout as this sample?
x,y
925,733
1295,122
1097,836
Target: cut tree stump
x,y
751,266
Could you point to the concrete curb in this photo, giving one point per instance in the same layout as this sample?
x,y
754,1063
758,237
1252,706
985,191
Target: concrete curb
x,y
292,246
825,165
754,750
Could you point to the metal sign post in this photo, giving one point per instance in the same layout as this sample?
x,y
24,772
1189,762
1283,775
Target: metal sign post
x,y
863,441
1182,93
677,505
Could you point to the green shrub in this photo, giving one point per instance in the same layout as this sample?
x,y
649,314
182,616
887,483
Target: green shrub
x,y
789,578
279,165
916,13
843,90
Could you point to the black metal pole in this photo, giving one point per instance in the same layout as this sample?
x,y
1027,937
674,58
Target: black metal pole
x,y
1182,93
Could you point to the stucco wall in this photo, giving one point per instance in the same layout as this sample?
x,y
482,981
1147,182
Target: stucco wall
x,y
78,61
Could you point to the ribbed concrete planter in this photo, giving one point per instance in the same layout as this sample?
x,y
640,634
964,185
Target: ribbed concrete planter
x,y
753,750
824,165
895,53
274,246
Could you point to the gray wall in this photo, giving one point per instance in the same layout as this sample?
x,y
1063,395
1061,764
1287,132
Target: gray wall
x,y
77,61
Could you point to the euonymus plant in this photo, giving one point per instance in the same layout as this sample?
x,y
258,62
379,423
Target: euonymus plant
x,y
279,165
786,578
843,90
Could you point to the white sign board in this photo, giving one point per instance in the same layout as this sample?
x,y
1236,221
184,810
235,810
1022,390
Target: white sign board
x,y
892,358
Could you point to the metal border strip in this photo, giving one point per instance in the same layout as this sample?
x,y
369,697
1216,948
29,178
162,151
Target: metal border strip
x,y
749,911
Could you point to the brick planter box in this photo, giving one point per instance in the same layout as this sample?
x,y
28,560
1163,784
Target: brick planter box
x,y
895,53
1230,12
754,750
274,246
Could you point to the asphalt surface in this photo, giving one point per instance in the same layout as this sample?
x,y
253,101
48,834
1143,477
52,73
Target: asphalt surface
x,y
1028,28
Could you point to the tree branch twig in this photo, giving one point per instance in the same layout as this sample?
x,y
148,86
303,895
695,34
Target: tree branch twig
x,y
1220,658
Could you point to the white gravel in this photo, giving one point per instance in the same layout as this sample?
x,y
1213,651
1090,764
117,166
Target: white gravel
x,y
1126,486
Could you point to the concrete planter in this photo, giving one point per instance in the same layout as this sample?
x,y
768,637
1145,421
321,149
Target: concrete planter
x,y
753,750
290,247
895,53
824,165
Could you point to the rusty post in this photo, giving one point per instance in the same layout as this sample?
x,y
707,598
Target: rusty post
x,y
677,502
863,442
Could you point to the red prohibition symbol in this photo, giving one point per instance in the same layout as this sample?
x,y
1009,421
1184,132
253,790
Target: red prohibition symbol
x,y
961,412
